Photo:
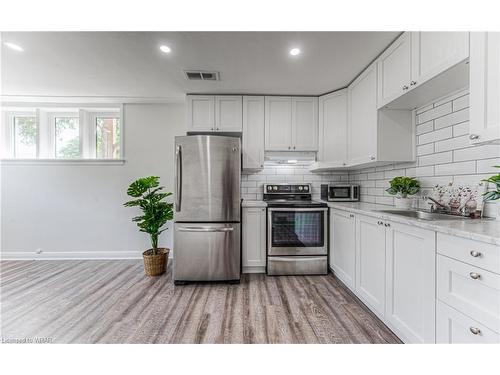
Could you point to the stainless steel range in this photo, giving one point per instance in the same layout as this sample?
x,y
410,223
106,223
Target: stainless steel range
x,y
297,227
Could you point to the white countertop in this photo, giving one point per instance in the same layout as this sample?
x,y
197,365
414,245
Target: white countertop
x,y
248,203
485,230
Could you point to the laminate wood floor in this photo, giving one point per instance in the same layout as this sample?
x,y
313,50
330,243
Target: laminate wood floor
x,y
95,301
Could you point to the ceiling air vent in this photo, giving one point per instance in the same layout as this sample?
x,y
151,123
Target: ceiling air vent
x,y
201,75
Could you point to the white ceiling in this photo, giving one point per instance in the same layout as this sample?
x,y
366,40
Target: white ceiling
x,y
129,64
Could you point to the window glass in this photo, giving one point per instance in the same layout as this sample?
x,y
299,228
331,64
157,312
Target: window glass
x,y
25,137
67,137
107,137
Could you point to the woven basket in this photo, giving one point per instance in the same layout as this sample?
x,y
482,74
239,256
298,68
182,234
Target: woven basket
x,y
155,265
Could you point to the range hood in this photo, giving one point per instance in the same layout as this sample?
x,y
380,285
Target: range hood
x,y
289,157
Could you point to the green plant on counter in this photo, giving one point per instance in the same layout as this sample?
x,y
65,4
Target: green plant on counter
x,y
403,186
493,195
156,212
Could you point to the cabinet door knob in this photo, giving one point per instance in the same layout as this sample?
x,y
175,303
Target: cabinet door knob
x,y
379,223
351,215
405,87
289,147
475,331
474,275
475,253
473,136
387,225
372,157
294,147
413,83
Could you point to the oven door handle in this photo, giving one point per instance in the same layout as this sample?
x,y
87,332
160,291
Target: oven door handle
x,y
301,209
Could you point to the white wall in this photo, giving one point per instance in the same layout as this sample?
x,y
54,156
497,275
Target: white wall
x,y
77,211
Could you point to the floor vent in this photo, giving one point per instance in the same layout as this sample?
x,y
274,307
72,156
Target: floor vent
x,y
201,75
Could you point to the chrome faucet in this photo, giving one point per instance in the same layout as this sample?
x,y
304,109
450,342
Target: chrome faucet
x,y
435,203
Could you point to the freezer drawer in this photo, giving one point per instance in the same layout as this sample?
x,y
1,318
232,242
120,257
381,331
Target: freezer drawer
x,y
303,265
206,251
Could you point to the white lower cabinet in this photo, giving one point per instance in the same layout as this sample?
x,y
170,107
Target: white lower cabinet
x,y
343,246
471,290
453,327
370,263
410,282
254,239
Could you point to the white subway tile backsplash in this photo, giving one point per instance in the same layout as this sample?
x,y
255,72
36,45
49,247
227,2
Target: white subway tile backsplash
x,y
488,166
425,149
461,102
435,135
461,129
436,112
477,152
424,109
452,143
433,113
466,167
452,119
438,158
425,127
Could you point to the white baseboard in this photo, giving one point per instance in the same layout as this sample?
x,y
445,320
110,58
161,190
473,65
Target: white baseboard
x,y
254,269
59,255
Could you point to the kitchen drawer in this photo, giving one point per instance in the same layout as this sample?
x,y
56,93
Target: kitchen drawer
x,y
453,327
471,290
303,265
479,254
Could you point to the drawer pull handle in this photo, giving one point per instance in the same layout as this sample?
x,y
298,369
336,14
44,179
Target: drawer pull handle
x,y
474,275
475,331
475,253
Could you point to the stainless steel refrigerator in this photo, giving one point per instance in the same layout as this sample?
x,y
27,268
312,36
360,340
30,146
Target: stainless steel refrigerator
x,y
207,208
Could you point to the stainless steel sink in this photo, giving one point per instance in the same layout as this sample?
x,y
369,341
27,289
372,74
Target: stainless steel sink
x,y
424,215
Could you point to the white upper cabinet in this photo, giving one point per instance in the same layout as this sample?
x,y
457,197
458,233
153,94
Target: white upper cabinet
x,y
333,129
370,262
253,132
278,122
343,246
291,123
394,70
435,52
362,129
228,113
208,113
304,124
484,87
200,113
410,282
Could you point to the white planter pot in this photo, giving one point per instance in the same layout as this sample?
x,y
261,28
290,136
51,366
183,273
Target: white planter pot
x,y
403,202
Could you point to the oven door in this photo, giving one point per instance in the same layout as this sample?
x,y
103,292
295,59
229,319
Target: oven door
x,y
297,231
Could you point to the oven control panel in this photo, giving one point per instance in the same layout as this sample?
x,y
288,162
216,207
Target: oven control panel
x,y
287,188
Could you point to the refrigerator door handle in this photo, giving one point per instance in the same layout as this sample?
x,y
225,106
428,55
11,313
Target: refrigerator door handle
x,y
205,229
178,166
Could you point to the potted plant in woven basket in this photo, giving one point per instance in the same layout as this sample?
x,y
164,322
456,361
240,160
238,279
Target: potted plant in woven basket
x,y
156,212
402,186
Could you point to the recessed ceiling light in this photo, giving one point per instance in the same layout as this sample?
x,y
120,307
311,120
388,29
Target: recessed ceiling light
x,y
165,49
294,51
14,46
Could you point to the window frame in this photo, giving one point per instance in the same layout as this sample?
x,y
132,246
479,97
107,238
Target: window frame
x,y
45,114
9,136
93,115
52,132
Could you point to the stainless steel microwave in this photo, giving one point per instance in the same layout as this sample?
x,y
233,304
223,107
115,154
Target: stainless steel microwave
x,y
340,192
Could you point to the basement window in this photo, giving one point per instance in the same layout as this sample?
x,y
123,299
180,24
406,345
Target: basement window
x,y
62,133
